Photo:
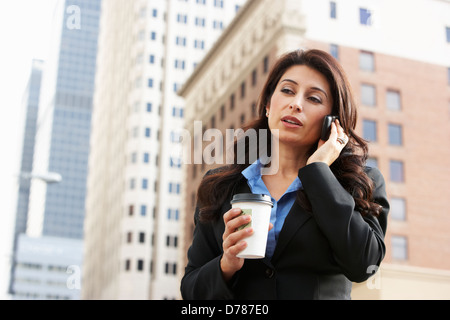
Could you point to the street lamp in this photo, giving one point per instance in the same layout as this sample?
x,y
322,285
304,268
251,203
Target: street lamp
x,y
48,177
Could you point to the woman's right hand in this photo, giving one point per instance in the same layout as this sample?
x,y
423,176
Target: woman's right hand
x,y
232,244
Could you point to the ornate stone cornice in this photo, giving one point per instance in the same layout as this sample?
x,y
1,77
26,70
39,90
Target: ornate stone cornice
x,y
259,27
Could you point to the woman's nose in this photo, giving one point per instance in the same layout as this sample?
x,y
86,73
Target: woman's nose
x,y
296,103
295,106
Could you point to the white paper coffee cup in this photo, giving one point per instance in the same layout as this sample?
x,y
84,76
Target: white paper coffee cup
x,y
259,206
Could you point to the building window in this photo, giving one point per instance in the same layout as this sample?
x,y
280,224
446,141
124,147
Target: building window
x,y
127,264
173,214
135,132
254,110
149,107
175,136
182,18
243,89
334,51
266,64
170,268
217,24
129,237
144,184
399,247
130,210
242,119
140,265
147,132
448,76
370,130
232,98
395,134
143,210
146,157
174,188
333,14
153,35
172,241
175,162
180,41
393,101
447,32
372,162
141,35
180,64
398,209
199,44
150,83
222,112
366,61
396,171
200,22
178,112
141,237
368,95
254,77
365,17
142,13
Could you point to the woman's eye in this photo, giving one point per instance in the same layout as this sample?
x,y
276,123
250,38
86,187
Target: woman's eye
x,y
286,90
315,99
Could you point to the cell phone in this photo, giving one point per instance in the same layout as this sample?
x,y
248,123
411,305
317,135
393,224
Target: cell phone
x,y
326,126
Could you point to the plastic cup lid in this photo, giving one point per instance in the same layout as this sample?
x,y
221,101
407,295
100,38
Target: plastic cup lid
x,y
251,197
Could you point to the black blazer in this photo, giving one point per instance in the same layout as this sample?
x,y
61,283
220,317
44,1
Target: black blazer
x,y
317,255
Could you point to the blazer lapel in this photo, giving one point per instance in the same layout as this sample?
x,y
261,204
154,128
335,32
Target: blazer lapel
x,y
295,220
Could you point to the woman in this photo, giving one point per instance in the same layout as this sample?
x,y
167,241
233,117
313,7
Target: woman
x,y
330,211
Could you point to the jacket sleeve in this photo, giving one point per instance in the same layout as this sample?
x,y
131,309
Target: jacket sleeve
x,y
203,278
357,241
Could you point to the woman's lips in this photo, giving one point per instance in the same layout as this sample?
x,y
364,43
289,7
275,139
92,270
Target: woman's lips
x,y
291,122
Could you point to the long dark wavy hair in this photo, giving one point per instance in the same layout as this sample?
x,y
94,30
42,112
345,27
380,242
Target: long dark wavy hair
x,y
218,186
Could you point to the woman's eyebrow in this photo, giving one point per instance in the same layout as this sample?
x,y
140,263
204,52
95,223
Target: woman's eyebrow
x,y
289,80
313,88
321,90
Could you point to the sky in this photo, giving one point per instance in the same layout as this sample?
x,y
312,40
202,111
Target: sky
x,y
25,27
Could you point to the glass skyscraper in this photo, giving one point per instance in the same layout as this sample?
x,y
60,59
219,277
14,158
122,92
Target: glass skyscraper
x,y
64,122
31,105
56,211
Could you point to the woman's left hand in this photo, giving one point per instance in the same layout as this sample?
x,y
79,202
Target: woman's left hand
x,y
328,151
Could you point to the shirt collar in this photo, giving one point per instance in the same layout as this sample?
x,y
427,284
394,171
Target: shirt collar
x,y
253,173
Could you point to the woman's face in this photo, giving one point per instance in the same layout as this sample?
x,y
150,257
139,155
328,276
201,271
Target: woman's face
x,y
298,106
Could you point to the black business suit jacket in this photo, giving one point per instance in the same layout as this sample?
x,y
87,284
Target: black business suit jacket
x,y
318,253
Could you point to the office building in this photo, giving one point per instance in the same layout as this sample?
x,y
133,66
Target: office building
x,y
31,106
56,211
146,51
397,57
47,268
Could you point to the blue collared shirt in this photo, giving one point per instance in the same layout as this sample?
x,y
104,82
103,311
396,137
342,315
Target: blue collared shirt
x,y
280,208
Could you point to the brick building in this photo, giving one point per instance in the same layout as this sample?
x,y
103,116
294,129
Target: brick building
x,y
402,85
